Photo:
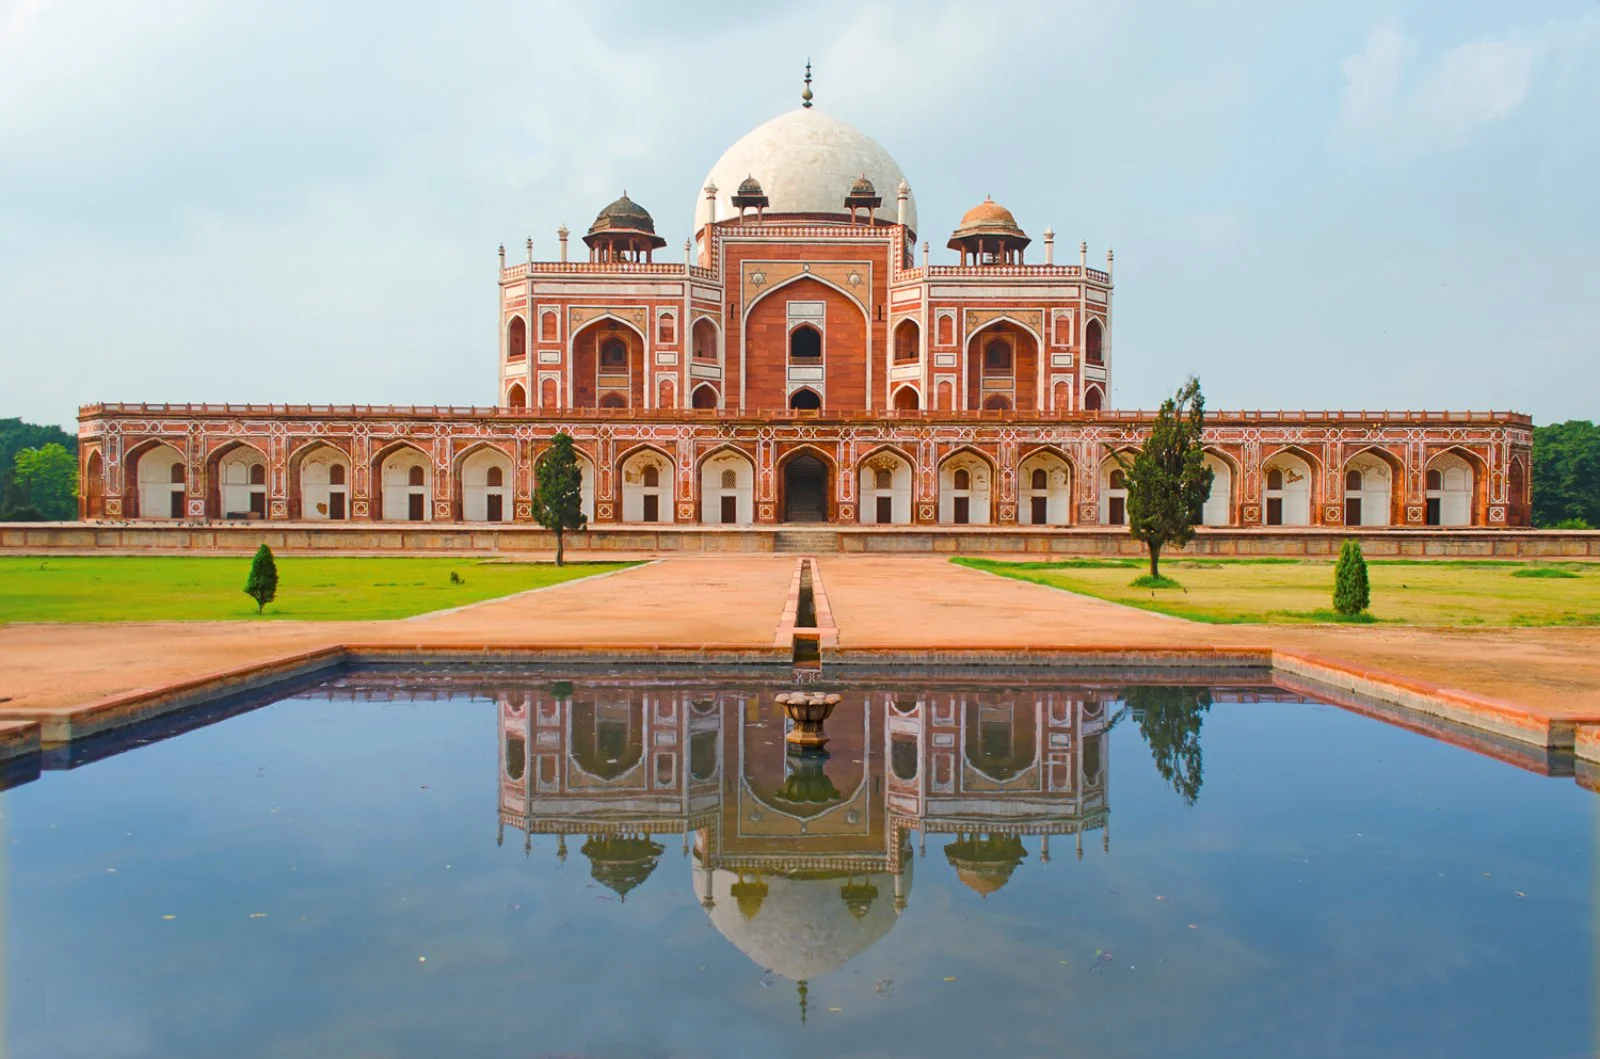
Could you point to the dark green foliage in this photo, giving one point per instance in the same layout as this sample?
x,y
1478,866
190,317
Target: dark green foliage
x,y
45,482
1168,479
1147,581
1566,475
1169,718
1352,593
456,579
35,501
558,492
262,584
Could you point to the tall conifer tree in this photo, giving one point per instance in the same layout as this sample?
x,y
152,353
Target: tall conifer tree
x,y
558,493
1168,480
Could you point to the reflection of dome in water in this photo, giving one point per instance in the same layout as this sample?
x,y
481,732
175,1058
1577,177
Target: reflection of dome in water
x,y
803,925
621,862
985,863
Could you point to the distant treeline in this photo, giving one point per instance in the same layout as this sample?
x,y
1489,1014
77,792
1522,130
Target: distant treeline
x,y
39,474
1566,475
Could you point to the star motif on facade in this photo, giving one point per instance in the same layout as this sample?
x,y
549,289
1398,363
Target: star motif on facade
x,y
854,278
757,278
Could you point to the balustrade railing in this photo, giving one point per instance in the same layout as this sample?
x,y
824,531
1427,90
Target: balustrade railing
x,y
1215,418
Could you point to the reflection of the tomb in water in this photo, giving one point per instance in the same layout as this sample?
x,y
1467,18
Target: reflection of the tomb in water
x,y
803,860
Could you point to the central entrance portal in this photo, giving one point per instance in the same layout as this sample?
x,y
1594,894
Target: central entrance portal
x,y
805,490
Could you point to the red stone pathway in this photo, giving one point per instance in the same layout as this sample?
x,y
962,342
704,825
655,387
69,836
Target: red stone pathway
x,y
885,601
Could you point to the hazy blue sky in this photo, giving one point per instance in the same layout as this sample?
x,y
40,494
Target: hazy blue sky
x,y
1322,205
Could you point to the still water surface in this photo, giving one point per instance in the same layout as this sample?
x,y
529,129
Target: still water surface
x,y
531,863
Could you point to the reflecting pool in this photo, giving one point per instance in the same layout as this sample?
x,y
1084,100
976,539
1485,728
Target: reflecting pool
x,y
532,862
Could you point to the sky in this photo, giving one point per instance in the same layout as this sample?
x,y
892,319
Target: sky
x,y
1313,205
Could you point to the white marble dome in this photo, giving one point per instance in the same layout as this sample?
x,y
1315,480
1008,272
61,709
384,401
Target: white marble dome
x,y
803,927
805,161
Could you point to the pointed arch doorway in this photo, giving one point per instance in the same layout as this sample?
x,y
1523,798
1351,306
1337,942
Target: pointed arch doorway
x,y
805,489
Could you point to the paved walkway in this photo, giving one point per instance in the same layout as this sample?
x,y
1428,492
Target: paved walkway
x,y
734,601
918,601
910,601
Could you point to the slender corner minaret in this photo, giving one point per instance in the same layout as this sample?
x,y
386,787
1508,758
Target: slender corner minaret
x,y
1049,245
561,237
902,196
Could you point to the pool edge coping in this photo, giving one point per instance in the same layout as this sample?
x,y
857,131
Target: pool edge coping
x,y
1578,734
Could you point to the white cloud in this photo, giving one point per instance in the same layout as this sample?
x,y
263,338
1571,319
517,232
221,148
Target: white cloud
x,y
1439,106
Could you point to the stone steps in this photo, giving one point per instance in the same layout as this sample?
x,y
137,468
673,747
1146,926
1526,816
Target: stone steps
x,y
805,541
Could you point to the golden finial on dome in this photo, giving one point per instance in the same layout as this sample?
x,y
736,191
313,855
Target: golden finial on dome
x,y
805,96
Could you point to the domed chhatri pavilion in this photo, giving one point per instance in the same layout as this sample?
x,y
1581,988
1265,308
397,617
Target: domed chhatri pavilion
x,y
803,361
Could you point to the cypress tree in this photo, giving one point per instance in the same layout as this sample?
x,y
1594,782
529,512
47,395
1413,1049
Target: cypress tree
x,y
262,584
1351,591
558,492
1168,480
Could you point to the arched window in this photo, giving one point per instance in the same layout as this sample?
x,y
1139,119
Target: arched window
x,y
997,402
613,400
905,341
258,474
805,343
705,340
905,399
1352,480
1275,479
805,399
336,474
548,327
1061,330
1094,343
704,397
1092,399
882,479
962,479
652,476
516,397
1040,479
997,356
613,355
176,476
516,339
1119,480
667,329
496,477
730,479
1435,480
415,475
947,330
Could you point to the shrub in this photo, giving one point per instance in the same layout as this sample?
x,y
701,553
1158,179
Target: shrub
x,y
1570,524
1351,591
1543,571
1153,581
262,584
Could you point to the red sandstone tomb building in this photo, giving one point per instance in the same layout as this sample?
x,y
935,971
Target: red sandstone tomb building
x,y
803,361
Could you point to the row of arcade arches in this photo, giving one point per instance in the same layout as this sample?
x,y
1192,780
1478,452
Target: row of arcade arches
x,y
404,487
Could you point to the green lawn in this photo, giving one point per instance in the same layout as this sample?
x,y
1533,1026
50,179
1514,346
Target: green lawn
x,y
192,588
1411,592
